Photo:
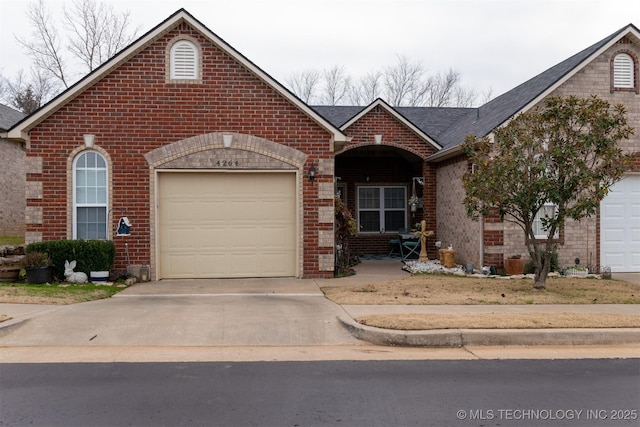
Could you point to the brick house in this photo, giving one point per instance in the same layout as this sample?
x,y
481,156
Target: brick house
x,y
12,153
222,172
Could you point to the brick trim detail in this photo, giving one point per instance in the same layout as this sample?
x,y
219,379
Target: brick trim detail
x,y
162,155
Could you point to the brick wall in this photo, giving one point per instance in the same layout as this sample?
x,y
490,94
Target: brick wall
x,y
135,110
580,239
455,228
13,200
398,159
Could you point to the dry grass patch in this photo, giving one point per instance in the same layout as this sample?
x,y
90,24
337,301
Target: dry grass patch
x,y
428,289
412,322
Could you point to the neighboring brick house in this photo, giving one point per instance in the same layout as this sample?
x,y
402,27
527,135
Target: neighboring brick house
x,y
222,172
12,177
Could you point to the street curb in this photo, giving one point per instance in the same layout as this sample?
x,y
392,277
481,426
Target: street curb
x,y
491,337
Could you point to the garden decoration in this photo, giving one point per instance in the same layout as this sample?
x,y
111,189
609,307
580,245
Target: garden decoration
x,y
423,234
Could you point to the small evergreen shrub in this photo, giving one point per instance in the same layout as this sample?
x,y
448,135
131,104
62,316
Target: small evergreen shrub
x,y
90,255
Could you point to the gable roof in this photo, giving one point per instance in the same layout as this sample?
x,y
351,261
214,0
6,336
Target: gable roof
x,y
429,122
9,117
21,129
449,126
483,120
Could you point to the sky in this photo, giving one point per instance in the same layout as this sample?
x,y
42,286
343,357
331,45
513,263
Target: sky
x,y
494,44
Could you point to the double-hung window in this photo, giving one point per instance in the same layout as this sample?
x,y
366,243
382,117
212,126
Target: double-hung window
x,y
540,231
90,196
382,209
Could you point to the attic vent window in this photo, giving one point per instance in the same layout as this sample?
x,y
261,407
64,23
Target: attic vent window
x,y
623,71
184,61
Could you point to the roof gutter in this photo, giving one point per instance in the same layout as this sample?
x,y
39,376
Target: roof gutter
x,y
446,154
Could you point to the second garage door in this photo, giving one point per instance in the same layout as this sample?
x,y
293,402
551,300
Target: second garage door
x,y
620,226
217,225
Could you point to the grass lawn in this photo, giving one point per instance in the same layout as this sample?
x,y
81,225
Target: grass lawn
x,y
11,240
429,289
432,289
22,293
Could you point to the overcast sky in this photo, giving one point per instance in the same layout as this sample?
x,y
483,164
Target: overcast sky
x,y
495,44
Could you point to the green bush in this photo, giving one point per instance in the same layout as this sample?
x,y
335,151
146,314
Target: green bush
x,y
529,268
90,255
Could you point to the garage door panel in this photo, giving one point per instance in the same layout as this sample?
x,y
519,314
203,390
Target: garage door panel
x,y
227,224
620,226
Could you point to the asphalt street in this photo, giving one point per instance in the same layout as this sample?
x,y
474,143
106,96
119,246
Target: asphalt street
x,y
339,393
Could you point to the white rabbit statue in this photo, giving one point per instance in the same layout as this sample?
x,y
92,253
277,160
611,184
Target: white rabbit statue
x,y
73,277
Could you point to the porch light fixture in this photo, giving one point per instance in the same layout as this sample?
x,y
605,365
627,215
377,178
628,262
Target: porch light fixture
x,y
377,139
89,139
227,140
312,173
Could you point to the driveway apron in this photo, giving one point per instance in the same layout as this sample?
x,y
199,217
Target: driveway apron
x,y
261,312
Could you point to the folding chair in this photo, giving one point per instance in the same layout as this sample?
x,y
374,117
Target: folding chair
x,y
396,244
412,247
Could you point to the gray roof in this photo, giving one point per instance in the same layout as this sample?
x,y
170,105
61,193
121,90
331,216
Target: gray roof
x,y
449,126
9,117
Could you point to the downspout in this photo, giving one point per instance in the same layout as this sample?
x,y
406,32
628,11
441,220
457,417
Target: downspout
x,y
481,258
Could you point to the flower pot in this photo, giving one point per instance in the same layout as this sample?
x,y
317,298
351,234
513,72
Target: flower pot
x,y
9,274
99,276
38,275
514,266
574,272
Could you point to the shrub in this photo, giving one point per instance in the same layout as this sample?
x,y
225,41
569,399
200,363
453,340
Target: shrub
x,y
91,255
529,268
36,260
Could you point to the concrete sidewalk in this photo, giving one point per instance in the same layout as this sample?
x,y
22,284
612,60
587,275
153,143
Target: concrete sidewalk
x,y
269,312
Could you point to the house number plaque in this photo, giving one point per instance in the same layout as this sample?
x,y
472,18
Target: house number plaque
x,y
227,163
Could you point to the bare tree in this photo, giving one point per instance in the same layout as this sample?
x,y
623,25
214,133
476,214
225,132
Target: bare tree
x,y
336,85
98,33
366,90
405,84
44,47
26,94
442,87
95,33
304,84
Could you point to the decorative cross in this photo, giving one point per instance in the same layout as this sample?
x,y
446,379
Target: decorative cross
x,y
423,234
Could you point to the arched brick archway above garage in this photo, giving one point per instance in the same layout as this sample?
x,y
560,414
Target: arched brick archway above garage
x,y
226,212
259,153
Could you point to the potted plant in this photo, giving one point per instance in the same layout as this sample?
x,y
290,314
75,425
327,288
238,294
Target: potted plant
x,y
101,257
514,265
36,266
576,271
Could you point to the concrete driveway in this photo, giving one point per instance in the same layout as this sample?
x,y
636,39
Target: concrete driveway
x,y
262,312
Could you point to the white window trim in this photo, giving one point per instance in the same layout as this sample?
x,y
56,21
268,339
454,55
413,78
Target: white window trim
x,y
381,209
623,71
85,205
536,220
190,69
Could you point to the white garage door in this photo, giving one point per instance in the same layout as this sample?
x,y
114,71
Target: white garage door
x,y
226,225
620,226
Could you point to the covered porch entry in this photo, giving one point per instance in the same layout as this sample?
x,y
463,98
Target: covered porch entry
x,y
387,189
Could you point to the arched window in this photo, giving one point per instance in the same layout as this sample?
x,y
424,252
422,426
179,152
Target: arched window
x,y
90,196
184,61
623,71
